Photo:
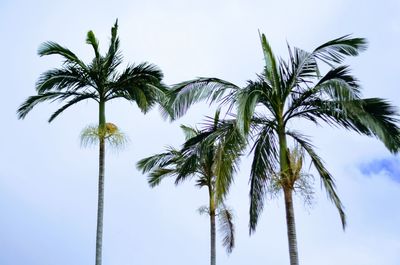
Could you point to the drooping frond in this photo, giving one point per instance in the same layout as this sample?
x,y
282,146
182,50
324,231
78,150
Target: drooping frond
x,y
70,103
264,164
371,117
141,84
160,165
226,227
247,100
228,150
187,93
326,177
32,101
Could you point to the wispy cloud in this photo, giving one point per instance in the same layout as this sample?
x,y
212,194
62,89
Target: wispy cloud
x,y
387,166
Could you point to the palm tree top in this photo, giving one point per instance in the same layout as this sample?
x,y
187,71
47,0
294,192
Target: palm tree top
x,y
99,79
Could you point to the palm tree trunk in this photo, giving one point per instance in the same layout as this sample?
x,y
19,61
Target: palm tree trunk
x,y
290,222
100,201
213,251
212,237
291,227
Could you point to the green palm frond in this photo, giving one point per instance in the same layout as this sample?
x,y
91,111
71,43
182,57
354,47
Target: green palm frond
x,y
189,132
69,78
70,103
271,69
50,47
160,165
226,157
335,51
371,117
264,163
187,93
246,102
141,84
326,178
32,101
94,42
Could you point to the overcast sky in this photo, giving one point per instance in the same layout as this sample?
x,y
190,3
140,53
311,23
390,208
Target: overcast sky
x,y
48,183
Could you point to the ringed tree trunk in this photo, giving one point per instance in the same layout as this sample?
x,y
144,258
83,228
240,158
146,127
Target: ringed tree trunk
x,y
213,251
100,201
288,192
291,227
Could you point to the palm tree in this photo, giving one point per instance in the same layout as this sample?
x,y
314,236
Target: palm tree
x,y
284,93
99,80
198,159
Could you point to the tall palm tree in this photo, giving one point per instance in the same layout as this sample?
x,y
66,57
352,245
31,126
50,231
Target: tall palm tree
x,y
99,80
198,158
284,93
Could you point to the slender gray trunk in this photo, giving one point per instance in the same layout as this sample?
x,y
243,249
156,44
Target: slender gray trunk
x,y
212,236
291,227
100,203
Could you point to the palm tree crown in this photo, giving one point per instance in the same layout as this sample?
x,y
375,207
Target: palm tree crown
x,y
213,161
98,80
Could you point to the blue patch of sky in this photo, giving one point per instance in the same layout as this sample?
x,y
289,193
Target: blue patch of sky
x,y
390,167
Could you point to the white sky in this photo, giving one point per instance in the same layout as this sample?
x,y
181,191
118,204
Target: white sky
x,y
48,184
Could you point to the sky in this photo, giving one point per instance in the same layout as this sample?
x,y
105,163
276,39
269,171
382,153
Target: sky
x,y
48,182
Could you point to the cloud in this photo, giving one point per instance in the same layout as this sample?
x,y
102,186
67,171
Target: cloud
x,y
386,166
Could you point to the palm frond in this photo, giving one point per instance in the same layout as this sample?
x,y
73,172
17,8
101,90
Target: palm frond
x,y
66,78
158,160
226,227
50,47
326,177
159,165
189,132
228,151
32,101
370,116
113,57
263,167
70,103
187,93
336,50
94,42
271,69
140,84
246,102
203,210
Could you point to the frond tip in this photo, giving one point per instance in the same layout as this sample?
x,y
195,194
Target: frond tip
x,y
110,133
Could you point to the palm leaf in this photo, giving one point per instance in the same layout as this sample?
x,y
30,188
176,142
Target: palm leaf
x,y
226,227
187,93
50,47
73,101
336,50
263,167
326,177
